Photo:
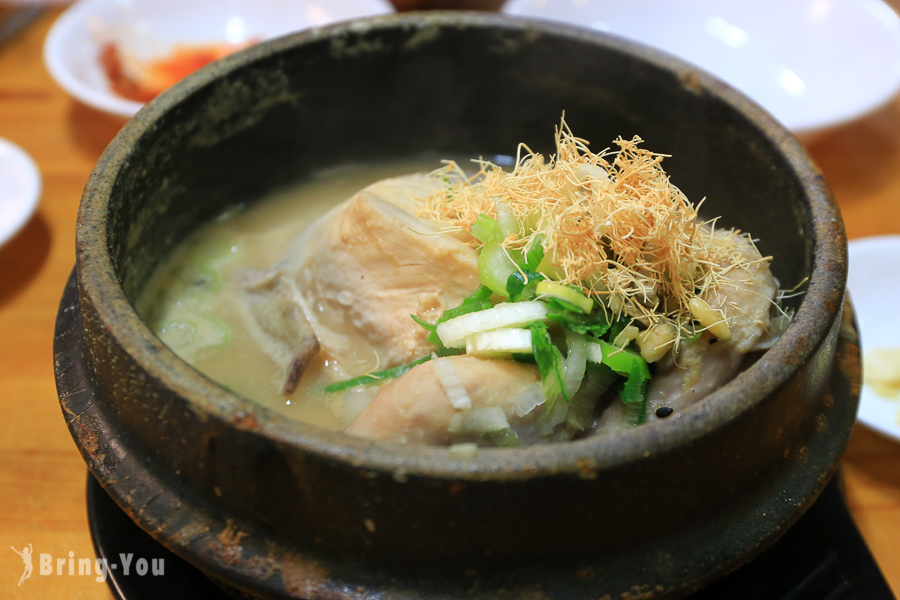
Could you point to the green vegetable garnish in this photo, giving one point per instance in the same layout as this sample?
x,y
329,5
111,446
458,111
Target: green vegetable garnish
x,y
600,377
616,328
495,267
621,361
550,363
370,378
593,324
570,297
506,220
486,229
694,335
522,287
633,390
535,255
425,324
482,293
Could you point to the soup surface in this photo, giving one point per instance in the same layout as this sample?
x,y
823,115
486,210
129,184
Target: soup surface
x,y
194,301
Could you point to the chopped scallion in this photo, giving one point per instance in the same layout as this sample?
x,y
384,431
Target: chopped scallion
x,y
594,324
495,267
486,229
521,286
550,363
370,378
569,297
535,254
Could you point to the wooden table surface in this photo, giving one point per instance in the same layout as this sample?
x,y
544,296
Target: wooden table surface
x,y
42,476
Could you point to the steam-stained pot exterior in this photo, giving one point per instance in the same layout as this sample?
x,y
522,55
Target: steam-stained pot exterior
x,y
281,508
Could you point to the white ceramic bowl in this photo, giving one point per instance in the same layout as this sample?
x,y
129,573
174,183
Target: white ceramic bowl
x,y
20,189
813,64
874,284
148,28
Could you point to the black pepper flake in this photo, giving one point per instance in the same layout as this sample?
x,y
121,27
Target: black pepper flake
x,y
713,341
664,411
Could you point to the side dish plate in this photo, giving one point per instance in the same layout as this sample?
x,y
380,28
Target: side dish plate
x,y
812,64
152,28
20,189
874,284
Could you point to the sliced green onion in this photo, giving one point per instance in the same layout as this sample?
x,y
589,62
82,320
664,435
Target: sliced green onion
x,y
594,324
634,413
695,335
423,323
550,363
521,286
464,309
549,269
453,333
486,229
213,331
535,254
633,390
482,293
370,378
599,377
495,267
569,296
616,328
622,361
506,220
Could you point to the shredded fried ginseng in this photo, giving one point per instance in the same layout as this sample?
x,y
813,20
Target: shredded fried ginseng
x,y
611,224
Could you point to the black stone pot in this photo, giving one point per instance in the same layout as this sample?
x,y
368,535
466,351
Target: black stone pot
x,y
282,509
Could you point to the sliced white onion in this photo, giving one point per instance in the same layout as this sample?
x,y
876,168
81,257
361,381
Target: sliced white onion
x,y
557,416
529,399
506,219
479,420
499,342
452,383
581,412
453,333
